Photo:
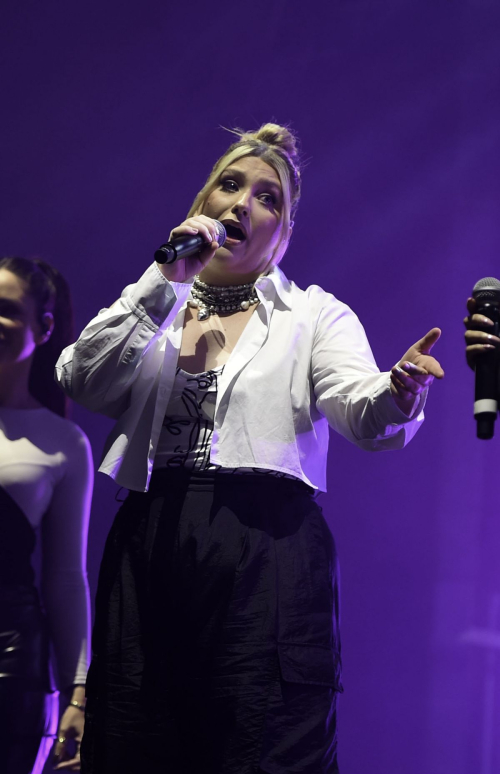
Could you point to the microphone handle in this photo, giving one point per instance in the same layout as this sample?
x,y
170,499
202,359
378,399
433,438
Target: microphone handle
x,y
185,246
486,388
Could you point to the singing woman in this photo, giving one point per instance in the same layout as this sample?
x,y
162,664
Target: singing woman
x,y
216,645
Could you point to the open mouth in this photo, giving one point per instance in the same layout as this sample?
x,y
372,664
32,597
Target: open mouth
x,y
234,232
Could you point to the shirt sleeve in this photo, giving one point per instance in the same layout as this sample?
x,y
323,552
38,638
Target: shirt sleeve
x,y
98,371
350,391
64,582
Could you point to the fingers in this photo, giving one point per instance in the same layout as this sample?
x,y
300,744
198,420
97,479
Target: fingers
x,y
474,336
478,349
60,748
399,390
427,342
69,736
413,369
410,385
475,321
432,366
478,342
72,765
474,352
475,333
471,305
198,224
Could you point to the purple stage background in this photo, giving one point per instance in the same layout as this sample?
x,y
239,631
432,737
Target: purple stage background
x,y
110,123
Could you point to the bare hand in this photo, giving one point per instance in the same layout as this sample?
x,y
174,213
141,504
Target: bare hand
x,y
478,340
415,372
186,268
70,732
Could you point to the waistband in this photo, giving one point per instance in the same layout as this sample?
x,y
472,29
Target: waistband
x,y
209,479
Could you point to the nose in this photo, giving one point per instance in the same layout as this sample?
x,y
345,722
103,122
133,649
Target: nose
x,y
242,206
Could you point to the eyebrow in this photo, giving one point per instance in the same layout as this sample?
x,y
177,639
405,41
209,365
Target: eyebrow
x,y
262,181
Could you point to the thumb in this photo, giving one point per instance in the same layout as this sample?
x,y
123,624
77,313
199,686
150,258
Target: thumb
x,y
427,342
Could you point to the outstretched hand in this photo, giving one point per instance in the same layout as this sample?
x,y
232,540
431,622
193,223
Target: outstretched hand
x,y
416,371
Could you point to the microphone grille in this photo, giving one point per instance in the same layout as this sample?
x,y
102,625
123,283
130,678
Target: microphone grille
x,y
221,234
487,289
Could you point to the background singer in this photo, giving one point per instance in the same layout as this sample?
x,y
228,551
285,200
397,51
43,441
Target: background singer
x,y
46,477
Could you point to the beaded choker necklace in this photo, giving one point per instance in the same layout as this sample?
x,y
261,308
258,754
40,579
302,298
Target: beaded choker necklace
x,y
214,299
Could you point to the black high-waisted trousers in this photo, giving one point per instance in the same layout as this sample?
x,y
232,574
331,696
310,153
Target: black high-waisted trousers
x,y
216,643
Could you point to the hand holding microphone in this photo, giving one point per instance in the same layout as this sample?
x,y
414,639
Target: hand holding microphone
x,y
195,241
483,342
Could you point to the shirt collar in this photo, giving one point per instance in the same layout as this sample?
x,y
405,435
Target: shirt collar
x,y
275,282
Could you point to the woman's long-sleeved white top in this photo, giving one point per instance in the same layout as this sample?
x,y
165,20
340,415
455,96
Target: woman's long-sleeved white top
x,y
302,362
46,468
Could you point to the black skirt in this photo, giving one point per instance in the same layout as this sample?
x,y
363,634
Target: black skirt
x,y
216,643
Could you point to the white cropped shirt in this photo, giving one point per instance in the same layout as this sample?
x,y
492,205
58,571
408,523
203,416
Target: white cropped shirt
x,y
302,363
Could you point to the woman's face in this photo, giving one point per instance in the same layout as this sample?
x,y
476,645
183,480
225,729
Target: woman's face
x,y
20,330
248,200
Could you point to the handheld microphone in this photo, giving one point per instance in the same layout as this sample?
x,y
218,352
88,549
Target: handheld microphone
x,y
187,244
486,293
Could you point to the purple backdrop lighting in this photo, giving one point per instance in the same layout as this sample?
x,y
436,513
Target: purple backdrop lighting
x,y
111,116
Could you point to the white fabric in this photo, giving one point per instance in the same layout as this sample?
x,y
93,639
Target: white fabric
x,y
302,361
186,433
46,467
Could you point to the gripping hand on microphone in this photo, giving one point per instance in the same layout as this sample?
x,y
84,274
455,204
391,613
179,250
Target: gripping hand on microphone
x,y
477,338
194,264
416,371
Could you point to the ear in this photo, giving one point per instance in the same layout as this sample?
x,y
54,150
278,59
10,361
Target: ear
x,y
47,327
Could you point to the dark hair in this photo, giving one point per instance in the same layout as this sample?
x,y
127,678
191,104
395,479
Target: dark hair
x,y
50,292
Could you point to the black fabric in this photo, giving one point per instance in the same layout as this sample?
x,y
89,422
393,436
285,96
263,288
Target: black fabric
x,y
216,642
24,649
17,543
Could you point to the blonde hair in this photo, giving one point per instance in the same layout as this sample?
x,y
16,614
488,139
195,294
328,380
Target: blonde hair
x,y
277,146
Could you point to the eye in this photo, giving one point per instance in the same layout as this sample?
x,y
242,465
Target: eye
x,y
9,310
229,185
268,199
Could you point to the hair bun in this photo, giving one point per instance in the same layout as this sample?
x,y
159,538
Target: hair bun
x,y
279,136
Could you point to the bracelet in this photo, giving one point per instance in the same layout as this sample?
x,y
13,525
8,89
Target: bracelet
x,y
78,706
